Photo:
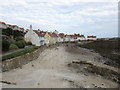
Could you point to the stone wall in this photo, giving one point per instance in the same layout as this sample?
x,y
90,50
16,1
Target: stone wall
x,y
17,62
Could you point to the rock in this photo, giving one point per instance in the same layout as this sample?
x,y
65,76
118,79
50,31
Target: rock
x,y
76,61
6,82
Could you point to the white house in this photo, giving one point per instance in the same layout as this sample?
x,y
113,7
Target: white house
x,y
91,38
60,38
3,25
35,37
9,26
41,35
66,38
79,37
21,29
56,32
47,41
15,27
26,30
71,37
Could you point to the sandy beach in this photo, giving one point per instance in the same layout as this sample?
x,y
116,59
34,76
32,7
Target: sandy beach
x,y
51,70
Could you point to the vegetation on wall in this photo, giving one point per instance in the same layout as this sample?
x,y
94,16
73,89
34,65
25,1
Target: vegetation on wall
x,y
19,53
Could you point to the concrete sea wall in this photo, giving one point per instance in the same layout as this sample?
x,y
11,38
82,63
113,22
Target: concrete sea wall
x,y
17,62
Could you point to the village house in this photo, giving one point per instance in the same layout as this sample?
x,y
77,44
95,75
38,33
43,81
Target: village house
x,y
71,38
35,37
39,38
9,26
66,38
21,29
79,37
51,37
55,38
48,38
15,27
56,32
61,37
26,30
41,35
3,25
91,38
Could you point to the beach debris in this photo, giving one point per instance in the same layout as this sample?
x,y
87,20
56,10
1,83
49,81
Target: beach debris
x,y
32,65
56,48
38,83
6,82
95,68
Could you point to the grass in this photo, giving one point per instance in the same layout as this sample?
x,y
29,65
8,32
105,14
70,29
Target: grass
x,y
29,50
106,48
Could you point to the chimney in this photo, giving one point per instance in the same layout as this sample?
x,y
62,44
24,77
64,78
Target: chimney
x,y
31,27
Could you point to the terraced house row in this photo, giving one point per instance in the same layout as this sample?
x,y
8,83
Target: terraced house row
x,y
4,25
38,37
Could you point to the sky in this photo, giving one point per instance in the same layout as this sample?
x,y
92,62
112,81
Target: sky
x,y
88,17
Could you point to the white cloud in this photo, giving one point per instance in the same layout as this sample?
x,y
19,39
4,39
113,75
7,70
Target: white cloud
x,y
100,13
63,15
12,2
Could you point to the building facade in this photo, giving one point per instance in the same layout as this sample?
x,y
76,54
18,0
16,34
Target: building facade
x,y
91,38
3,25
35,37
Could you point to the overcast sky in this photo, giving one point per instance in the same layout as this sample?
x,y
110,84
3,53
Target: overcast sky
x,y
88,17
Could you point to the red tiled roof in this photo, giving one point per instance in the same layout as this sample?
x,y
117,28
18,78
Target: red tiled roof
x,y
51,34
55,35
27,29
40,33
91,36
3,23
21,28
81,36
9,25
78,35
72,36
60,35
66,35
14,26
